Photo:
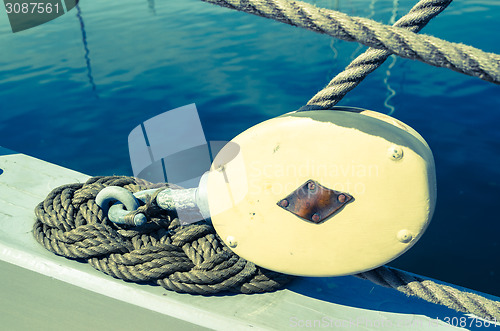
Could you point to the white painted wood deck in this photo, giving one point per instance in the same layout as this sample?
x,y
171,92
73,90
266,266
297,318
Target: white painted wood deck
x,y
43,291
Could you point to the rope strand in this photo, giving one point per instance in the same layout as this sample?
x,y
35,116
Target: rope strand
x,y
372,58
433,292
397,40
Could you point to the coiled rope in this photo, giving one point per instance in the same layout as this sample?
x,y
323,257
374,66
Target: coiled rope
x,y
192,258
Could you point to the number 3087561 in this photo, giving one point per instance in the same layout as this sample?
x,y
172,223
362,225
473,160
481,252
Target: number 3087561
x,y
31,8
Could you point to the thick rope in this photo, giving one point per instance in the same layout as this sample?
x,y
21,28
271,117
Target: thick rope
x,y
188,259
396,40
436,293
372,58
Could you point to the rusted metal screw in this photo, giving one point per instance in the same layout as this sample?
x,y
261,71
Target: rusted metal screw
x,y
311,186
284,203
341,198
315,217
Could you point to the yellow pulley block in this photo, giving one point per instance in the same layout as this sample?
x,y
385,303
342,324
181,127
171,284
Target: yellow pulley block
x,y
323,193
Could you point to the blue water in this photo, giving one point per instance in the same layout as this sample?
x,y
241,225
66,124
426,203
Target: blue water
x,y
73,102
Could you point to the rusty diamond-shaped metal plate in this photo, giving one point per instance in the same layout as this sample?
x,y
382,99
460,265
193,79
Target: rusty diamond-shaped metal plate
x,y
314,202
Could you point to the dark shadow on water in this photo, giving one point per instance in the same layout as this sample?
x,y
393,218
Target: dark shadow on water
x,y
87,52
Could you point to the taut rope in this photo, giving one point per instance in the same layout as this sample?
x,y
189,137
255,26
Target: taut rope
x,y
372,58
431,50
436,293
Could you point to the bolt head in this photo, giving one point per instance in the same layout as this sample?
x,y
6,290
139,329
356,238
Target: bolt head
x,y
315,217
395,153
231,241
311,186
341,198
284,203
405,236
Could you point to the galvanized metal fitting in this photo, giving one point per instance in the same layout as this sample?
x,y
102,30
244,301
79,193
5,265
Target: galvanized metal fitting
x,y
187,203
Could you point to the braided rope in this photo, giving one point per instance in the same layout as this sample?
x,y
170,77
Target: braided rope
x,y
436,293
396,40
372,58
188,259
